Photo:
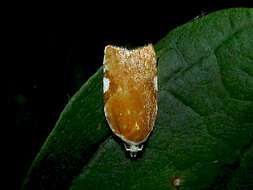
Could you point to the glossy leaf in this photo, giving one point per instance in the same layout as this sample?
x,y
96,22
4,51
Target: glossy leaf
x,y
77,134
204,122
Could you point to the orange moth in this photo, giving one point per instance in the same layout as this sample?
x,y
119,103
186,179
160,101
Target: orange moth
x,y
130,94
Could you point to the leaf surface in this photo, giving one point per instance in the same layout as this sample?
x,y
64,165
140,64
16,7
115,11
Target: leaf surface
x,y
204,122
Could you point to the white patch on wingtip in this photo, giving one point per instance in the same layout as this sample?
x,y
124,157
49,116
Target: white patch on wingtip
x,y
105,67
106,116
104,60
105,54
127,52
155,83
106,48
106,84
105,111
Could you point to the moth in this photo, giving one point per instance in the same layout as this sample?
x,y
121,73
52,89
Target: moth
x,y
130,94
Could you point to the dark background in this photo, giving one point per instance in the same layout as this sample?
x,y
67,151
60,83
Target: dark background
x,y
51,59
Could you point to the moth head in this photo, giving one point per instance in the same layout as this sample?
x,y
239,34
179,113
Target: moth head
x,y
133,149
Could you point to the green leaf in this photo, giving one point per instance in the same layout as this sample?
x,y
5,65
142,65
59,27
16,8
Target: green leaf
x,y
204,123
239,175
76,136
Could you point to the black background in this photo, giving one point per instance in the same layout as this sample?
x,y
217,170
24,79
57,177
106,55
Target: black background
x,y
51,58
